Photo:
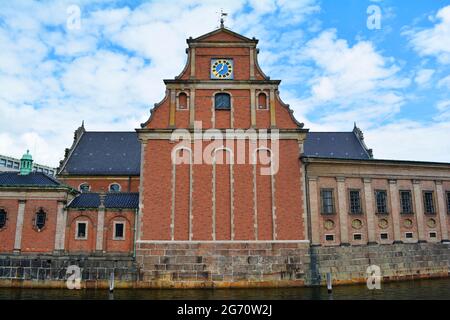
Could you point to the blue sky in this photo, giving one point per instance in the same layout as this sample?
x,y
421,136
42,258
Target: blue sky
x,y
393,81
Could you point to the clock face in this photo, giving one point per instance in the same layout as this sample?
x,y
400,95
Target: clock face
x,y
221,69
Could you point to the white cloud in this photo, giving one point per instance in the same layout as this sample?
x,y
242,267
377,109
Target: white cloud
x,y
434,41
351,83
444,82
410,140
423,76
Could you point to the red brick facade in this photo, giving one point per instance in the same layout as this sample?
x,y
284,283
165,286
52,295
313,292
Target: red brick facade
x,y
230,201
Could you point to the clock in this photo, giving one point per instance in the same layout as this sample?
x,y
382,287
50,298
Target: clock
x,y
221,69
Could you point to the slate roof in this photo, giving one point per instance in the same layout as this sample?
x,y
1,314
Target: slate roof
x,y
32,179
105,153
118,153
119,200
343,145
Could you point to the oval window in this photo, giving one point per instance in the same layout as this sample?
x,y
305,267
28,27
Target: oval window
x,y
41,216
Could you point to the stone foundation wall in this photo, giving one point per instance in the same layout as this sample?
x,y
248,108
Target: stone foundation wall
x,y
283,264
51,271
218,265
230,265
396,261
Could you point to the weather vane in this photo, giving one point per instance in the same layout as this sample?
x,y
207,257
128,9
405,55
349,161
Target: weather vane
x,y
222,18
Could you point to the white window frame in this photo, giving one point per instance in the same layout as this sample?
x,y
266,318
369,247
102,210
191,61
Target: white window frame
x,y
114,230
387,234
435,238
360,234
412,239
87,230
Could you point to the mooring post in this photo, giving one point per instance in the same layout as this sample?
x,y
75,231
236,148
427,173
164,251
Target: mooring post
x,y
329,283
111,282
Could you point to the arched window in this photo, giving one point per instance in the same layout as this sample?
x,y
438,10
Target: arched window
x,y
40,218
114,187
262,101
222,101
84,187
182,101
2,218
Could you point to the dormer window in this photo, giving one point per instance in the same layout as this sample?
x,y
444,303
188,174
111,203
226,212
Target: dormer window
x,y
222,101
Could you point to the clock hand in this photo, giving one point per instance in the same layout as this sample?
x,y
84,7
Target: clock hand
x,y
223,66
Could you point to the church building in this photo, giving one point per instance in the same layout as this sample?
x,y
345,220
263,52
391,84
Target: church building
x,y
222,186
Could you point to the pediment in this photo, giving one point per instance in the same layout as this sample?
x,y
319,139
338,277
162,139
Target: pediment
x,y
222,35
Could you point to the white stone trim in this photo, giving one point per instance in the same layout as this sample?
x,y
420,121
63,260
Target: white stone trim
x,y
220,241
174,184
19,226
231,155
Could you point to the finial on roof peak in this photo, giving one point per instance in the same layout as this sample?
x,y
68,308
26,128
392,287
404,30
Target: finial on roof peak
x,y
222,18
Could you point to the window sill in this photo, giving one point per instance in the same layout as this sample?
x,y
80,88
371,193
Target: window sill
x,y
382,213
328,214
407,213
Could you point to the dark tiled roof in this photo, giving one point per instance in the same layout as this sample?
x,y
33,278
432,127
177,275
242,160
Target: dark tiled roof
x,y
32,179
120,200
343,145
105,153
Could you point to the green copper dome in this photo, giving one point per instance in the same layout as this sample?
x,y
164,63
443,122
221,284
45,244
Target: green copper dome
x,y
26,164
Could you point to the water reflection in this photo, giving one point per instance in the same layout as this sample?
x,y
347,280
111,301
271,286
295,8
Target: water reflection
x,y
417,289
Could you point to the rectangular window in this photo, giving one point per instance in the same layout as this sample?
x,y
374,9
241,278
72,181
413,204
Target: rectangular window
x,y
381,199
326,196
428,202
3,162
9,164
119,231
16,165
448,202
357,236
355,202
409,235
329,237
81,233
406,201
384,236
433,235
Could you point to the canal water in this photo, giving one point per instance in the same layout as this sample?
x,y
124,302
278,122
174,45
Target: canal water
x,y
406,290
